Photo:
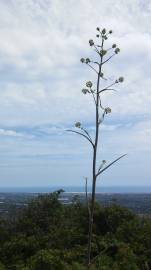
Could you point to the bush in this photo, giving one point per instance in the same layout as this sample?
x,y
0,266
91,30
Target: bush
x,y
47,260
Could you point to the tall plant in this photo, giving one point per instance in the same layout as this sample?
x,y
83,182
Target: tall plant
x,y
103,56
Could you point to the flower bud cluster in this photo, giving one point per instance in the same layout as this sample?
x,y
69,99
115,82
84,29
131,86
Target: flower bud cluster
x,y
78,125
86,61
107,110
89,84
82,60
103,52
114,46
105,37
103,161
103,32
85,91
120,80
117,50
91,42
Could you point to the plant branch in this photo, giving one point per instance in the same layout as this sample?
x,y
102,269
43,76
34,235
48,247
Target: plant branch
x,y
101,171
101,103
108,59
79,133
96,49
87,133
92,68
93,96
106,88
95,62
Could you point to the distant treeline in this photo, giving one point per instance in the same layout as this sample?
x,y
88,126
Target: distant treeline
x,y
48,235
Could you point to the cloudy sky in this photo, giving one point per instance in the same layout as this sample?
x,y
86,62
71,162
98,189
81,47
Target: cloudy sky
x,y
41,79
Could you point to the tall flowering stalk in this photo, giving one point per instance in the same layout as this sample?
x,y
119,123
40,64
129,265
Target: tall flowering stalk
x,y
103,56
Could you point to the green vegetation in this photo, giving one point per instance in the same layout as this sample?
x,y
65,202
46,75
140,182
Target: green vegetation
x,y
47,235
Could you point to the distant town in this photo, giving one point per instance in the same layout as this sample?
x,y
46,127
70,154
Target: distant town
x,y
12,203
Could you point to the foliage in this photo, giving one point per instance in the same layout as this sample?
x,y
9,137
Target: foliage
x,y
50,235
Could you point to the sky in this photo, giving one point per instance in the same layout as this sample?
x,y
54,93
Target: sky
x,y
41,78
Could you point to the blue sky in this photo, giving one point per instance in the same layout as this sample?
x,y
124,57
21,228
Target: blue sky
x,y
41,79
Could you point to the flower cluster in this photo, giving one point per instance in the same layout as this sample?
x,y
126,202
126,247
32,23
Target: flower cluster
x,y
103,52
103,161
103,32
105,37
91,42
86,61
114,46
89,84
107,110
117,50
85,91
120,80
82,60
78,125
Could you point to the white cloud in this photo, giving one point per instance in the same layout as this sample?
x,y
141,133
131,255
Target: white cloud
x,y
42,43
10,133
41,75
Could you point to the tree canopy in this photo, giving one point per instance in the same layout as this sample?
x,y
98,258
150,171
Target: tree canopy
x,y
50,235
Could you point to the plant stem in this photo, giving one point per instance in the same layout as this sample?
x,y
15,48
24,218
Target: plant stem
x,y
94,168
